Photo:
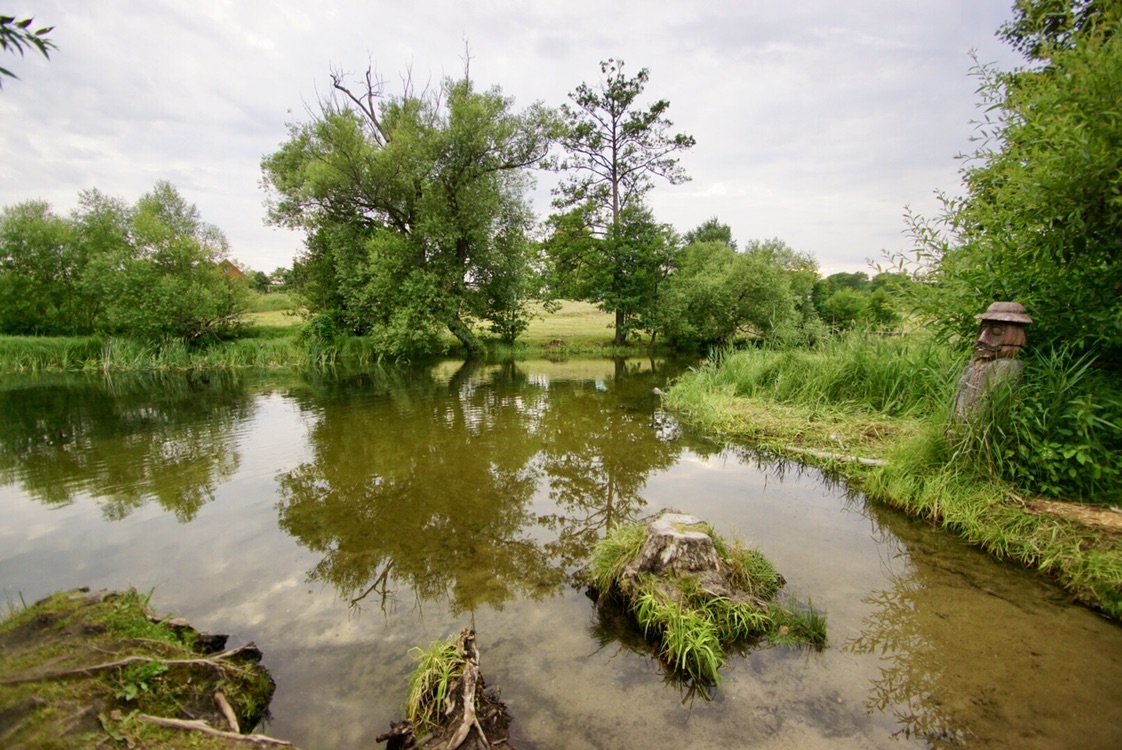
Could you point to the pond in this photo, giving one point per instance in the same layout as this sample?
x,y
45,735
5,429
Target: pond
x,y
337,520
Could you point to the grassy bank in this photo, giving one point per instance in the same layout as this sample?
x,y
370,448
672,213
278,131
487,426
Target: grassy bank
x,y
874,411
271,339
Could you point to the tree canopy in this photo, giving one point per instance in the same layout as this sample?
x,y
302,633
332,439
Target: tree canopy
x,y
415,210
148,270
615,147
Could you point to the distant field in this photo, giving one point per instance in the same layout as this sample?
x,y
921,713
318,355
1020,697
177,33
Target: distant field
x,y
574,323
575,320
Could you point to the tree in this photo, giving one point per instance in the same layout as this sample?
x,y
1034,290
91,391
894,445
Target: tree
x,y
414,207
717,295
1040,27
18,36
1041,221
711,230
37,268
152,269
615,148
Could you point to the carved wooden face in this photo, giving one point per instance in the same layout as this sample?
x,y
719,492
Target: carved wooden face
x,y
999,340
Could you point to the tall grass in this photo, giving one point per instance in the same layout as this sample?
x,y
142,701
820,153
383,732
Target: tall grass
x,y
897,376
1053,432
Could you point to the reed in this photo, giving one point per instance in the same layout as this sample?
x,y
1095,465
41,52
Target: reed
x,y
432,677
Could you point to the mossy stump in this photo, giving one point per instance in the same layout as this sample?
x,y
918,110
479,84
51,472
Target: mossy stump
x,y
693,594
100,670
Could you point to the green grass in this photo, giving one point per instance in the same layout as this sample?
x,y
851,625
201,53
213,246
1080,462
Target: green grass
x,y
691,626
1057,434
271,338
437,667
613,553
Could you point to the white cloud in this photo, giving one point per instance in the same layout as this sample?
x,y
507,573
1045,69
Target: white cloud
x,y
816,122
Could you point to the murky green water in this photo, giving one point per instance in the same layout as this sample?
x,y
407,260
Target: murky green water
x,y
338,521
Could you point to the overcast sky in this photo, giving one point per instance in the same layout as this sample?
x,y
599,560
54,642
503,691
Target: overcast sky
x,y
816,121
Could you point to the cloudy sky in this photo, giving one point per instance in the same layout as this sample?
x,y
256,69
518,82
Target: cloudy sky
x,y
816,121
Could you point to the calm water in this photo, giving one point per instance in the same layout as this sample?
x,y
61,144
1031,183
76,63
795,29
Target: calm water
x,y
338,521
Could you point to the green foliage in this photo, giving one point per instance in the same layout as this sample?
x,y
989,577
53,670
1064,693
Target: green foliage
x,y
430,682
613,552
752,572
895,376
1055,432
18,36
1041,223
710,230
148,272
850,300
688,639
137,679
38,261
415,211
604,236
1040,27
717,295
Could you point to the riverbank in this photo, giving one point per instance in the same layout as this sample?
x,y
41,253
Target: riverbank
x,y
874,414
271,339
82,669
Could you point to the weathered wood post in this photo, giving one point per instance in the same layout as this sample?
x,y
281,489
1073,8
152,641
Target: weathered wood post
x,y
1001,334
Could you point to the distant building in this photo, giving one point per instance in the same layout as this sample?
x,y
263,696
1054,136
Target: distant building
x,y
229,269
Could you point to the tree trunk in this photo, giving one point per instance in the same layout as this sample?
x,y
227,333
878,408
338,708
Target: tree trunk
x,y
473,346
621,329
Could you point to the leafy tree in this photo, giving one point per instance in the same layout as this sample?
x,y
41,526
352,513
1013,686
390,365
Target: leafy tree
x,y
18,36
147,270
1041,26
414,207
36,271
717,295
615,147
259,280
711,230
1041,221
163,282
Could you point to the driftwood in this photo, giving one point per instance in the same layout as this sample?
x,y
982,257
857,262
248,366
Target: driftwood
x,y
838,457
202,726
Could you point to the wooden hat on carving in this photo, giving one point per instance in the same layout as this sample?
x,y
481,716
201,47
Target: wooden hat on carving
x,y
1006,312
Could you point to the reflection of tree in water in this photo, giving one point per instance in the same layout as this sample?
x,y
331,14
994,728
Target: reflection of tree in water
x,y
907,638
598,446
423,483
124,440
430,484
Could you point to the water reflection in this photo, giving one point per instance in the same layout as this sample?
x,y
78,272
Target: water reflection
x,y
430,479
123,440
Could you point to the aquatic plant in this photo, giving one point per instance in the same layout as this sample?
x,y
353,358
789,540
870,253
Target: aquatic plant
x,y
437,668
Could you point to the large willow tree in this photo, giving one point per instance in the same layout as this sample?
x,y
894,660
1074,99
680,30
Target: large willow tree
x,y
415,211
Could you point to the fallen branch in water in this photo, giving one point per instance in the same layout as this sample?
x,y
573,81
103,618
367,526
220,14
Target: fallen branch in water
x,y
837,456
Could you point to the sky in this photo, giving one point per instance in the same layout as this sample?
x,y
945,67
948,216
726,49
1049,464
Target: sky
x,y
818,122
